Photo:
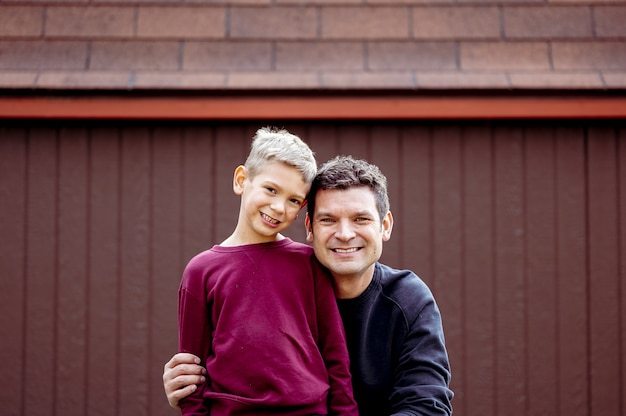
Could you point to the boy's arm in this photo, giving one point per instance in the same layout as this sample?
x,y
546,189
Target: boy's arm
x,y
332,344
194,338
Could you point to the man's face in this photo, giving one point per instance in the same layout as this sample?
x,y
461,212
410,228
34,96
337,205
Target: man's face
x,y
347,233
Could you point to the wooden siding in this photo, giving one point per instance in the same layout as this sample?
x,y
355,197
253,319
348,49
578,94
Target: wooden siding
x,y
518,227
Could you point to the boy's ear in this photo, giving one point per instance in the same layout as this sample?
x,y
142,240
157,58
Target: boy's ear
x,y
239,178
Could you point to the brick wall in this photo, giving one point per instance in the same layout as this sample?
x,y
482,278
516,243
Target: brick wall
x,y
314,44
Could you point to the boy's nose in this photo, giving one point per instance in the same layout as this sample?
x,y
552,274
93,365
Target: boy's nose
x,y
278,206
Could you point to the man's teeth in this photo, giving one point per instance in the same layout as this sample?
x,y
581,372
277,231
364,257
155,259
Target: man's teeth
x,y
269,219
346,250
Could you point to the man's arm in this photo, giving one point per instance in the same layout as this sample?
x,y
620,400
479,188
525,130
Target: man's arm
x,y
423,372
181,375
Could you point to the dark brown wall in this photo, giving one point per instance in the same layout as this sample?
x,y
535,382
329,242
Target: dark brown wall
x,y
518,227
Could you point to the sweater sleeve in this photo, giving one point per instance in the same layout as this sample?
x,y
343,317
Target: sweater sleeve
x,y
423,373
332,344
193,335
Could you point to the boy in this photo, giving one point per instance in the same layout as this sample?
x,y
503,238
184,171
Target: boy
x,y
258,309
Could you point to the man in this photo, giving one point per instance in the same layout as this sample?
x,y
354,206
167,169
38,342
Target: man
x,y
395,338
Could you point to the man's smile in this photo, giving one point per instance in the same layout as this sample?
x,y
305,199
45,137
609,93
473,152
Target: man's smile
x,y
345,250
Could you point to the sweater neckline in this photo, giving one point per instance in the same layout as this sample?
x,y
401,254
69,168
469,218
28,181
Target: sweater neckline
x,y
257,246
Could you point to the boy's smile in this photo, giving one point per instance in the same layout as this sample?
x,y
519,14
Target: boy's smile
x,y
269,219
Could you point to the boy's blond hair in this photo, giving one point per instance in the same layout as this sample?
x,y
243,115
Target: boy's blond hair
x,y
271,143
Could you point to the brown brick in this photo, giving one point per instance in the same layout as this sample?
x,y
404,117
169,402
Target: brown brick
x,y
555,80
411,55
547,22
184,80
461,80
614,79
89,21
21,21
610,21
319,55
347,80
416,2
229,56
134,55
589,55
43,55
273,22
321,2
181,22
497,56
365,23
17,79
456,22
273,80
81,79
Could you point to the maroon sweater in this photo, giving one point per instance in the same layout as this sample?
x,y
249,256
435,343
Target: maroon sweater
x,y
264,320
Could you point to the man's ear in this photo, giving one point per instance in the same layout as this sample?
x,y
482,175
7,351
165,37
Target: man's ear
x,y
309,228
239,179
387,226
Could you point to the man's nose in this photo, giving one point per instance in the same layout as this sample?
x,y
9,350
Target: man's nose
x,y
344,230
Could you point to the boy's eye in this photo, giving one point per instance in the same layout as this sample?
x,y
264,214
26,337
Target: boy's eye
x,y
297,202
271,190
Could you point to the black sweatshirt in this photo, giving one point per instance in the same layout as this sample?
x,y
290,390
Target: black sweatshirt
x,y
395,338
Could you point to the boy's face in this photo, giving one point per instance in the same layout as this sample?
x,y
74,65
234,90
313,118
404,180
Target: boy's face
x,y
270,201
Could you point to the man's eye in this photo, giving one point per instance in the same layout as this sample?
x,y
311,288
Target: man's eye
x,y
326,220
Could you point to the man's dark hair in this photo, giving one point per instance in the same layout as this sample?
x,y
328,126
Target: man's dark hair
x,y
346,172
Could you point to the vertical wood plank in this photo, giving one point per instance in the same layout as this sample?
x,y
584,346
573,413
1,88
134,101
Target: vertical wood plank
x,y
415,233
198,192
166,249
385,153
510,285
354,139
621,161
448,286
571,258
104,272
134,271
604,285
541,279
478,271
13,160
324,141
41,274
72,273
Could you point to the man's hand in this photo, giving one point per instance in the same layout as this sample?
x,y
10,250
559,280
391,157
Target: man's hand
x,y
181,375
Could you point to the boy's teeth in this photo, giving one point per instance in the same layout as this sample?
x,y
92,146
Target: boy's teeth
x,y
269,219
